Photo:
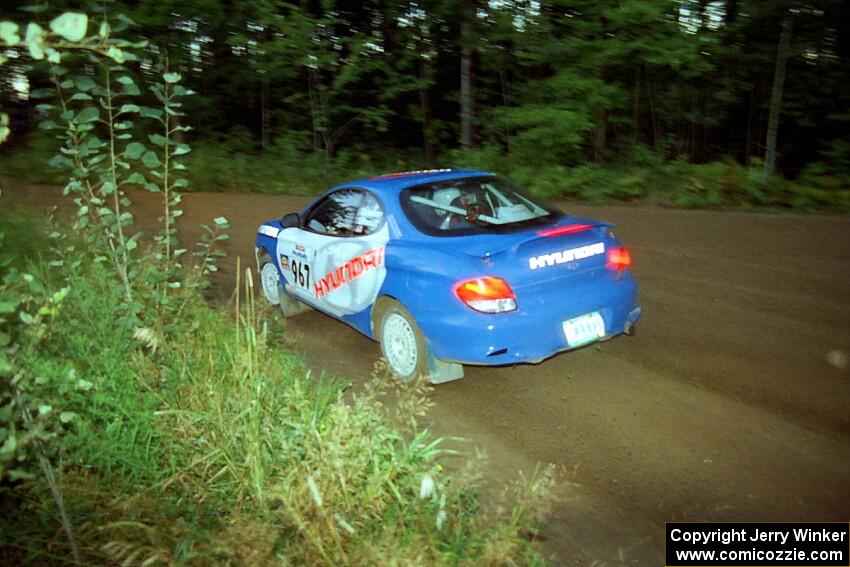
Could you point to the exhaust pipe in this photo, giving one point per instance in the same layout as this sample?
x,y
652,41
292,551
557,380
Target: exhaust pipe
x,y
631,329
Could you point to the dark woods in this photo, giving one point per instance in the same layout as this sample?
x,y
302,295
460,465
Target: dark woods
x,y
543,83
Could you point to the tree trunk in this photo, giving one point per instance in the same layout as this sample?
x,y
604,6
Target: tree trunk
x,y
776,95
265,121
731,11
465,97
425,103
703,14
748,141
329,148
652,112
636,109
600,134
505,102
467,78
315,119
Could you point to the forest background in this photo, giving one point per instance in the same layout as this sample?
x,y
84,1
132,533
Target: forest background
x,y
684,102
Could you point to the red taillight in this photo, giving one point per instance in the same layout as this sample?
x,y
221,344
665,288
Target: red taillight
x,y
567,229
487,294
619,258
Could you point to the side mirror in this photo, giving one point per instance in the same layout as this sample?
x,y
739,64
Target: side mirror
x,y
291,220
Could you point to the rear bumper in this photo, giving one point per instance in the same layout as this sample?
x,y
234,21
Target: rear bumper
x,y
531,334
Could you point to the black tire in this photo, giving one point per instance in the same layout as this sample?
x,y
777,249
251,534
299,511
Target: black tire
x,y
402,343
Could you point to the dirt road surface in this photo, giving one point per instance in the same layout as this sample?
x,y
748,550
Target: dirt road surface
x,y
732,403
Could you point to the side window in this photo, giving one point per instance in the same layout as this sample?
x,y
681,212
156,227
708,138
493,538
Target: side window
x,y
348,212
369,216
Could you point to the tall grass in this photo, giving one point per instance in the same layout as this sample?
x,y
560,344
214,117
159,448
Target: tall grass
x,y
200,440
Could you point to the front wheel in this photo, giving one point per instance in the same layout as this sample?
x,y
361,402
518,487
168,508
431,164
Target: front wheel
x,y
270,280
273,289
402,343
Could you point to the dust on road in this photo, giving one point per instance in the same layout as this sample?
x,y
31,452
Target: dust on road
x,y
724,407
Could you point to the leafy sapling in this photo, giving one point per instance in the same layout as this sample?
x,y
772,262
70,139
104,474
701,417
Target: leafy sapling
x,y
95,124
67,32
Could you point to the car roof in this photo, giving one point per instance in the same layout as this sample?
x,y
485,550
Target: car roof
x,y
394,182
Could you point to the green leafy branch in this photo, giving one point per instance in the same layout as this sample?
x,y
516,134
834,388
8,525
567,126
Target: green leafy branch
x,y
163,168
67,32
98,168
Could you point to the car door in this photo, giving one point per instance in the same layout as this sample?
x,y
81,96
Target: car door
x,y
335,259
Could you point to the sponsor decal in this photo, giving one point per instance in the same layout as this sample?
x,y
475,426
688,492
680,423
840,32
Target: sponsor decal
x,y
284,262
300,252
269,230
348,272
568,255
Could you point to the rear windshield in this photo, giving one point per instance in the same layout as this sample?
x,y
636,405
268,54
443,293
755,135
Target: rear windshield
x,y
473,205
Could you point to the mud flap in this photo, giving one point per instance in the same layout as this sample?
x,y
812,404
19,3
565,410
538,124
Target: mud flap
x,y
289,306
442,372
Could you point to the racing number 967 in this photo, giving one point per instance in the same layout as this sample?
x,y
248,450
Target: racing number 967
x,y
301,274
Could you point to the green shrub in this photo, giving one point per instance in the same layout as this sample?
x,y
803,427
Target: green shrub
x,y
91,340
19,239
231,163
28,158
235,163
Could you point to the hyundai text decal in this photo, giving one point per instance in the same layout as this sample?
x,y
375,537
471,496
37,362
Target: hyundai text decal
x,y
568,255
349,271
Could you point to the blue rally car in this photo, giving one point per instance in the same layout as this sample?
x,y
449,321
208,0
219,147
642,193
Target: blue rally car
x,y
450,267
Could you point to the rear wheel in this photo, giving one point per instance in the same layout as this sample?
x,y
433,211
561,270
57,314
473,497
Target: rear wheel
x,y
402,343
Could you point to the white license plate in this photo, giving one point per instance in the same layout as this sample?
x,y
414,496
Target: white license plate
x,y
584,329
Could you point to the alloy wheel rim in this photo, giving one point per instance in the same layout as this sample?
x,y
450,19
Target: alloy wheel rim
x,y
399,343
270,284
